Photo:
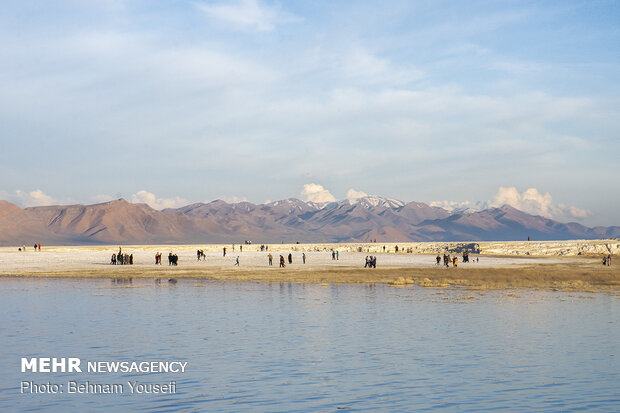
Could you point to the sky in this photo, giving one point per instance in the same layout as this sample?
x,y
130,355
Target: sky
x,y
456,104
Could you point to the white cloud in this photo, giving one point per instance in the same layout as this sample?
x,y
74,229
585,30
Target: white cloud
x,y
316,193
579,213
34,198
352,194
363,66
530,201
533,202
247,14
157,203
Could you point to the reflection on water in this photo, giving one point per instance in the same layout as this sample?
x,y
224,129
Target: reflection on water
x,y
291,347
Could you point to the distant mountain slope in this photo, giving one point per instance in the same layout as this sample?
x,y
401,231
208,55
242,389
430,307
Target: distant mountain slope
x,y
373,217
115,221
289,220
506,224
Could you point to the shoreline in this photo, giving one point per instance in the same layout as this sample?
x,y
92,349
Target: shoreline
x,y
586,277
416,266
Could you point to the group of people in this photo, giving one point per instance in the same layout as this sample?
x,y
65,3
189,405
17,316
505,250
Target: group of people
x,y
283,260
465,256
173,259
37,247
371,262
447,260
607,260
395,248
454,260
121,259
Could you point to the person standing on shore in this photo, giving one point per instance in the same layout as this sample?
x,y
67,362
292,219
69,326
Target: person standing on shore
x,y
270,259
303,257
237,261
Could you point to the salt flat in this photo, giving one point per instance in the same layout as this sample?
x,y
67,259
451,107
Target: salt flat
x,y
75,258
560,268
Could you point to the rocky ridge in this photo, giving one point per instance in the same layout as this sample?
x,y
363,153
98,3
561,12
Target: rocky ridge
x,y
362,220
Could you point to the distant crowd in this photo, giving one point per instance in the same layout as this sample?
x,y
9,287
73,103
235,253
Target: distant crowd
x,y
371,262
283,260
454,260
37,247
121,258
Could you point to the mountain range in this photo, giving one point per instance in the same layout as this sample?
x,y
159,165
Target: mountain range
x,y
362,220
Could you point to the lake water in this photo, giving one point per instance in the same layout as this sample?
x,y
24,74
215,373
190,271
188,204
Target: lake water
x,y
294,347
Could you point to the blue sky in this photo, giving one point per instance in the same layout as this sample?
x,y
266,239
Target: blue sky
x,y
456,103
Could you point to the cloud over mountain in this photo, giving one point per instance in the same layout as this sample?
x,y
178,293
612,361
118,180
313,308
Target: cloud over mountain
x,y
316,193
352,194
533,202
530,201
157,203
32,198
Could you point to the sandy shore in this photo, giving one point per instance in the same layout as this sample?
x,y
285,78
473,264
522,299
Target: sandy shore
x,y
397,269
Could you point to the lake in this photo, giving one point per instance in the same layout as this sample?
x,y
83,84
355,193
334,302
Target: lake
x,y
295,347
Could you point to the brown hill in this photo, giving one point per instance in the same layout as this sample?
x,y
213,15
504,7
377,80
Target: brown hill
x,y
110,222
290,220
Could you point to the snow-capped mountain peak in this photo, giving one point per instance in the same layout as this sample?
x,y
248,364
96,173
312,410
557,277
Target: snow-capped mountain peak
x,y
373,201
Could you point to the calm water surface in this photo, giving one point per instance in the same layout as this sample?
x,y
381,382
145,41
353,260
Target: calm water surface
x,y
291,347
